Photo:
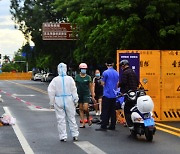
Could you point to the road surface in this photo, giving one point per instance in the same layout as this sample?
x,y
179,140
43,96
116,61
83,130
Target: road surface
x,y
36,132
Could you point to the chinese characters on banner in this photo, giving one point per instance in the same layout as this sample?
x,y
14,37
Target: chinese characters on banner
x,y
59,31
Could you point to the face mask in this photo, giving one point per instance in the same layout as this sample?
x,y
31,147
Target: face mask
x,y
83,71
97,75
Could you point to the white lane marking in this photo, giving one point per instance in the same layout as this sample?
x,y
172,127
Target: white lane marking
x,y
88,147
40,109
32,108
30,105
22,95
26,147
44,109
23,101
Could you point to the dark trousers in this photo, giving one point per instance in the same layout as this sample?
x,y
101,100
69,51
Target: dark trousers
x,y
128,119
127,113
108,112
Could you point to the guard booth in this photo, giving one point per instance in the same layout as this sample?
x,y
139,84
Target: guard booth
x,y
161,70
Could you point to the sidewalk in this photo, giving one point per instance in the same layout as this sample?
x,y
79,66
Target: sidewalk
x,y
8,140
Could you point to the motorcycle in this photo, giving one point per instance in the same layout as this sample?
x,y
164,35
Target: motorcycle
x,y
141,114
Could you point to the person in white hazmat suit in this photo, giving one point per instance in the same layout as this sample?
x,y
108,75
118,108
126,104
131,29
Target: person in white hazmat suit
x,y
63,95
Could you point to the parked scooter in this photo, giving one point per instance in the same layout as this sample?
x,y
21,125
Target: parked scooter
x,y
142,116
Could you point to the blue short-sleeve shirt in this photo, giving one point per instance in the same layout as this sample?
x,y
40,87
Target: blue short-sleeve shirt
x,y
110,78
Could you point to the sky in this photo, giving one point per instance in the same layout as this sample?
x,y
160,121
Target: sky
x,y
11,39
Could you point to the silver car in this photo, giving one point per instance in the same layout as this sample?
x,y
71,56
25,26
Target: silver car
x,y
37,76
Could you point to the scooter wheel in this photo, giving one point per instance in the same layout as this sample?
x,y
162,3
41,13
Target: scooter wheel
x,y
148,135
133,134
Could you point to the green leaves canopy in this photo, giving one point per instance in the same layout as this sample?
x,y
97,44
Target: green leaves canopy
x,y
104,26
29,16
107,25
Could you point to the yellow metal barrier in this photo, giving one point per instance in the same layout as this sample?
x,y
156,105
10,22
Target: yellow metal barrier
x,y
150,71
15,76
162,70
170,102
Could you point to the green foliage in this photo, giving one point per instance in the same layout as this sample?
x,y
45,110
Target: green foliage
x,y
29,16
8,67
18,64
107,25
43,61
104,26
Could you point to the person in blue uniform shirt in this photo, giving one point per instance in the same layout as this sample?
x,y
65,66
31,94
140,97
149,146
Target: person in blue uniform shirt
x,y
110,78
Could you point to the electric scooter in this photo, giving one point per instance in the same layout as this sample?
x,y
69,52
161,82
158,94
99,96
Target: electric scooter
x,y
141,114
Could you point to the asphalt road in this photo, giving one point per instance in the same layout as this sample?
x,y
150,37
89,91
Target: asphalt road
x,y
36,132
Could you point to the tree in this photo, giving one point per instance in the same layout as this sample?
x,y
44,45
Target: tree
x,y
29,16
6,59
19,61
105,26
17,64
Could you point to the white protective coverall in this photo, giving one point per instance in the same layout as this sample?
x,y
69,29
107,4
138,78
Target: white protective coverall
x,y
63,95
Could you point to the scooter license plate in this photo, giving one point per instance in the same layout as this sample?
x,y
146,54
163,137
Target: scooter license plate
x,y
149,122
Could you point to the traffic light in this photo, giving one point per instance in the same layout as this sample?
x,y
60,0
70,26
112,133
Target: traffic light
x,y
0,56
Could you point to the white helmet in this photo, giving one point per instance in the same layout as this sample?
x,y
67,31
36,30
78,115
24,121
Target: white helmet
x,y
145,104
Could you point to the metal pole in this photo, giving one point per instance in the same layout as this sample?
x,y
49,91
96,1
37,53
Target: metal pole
x,y
26,66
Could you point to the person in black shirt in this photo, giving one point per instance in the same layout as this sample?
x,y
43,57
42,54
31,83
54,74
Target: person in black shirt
x,y
98,90
128,81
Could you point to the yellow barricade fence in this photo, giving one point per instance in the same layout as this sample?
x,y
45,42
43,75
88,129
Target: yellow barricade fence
x,y
170,102
150,71
15,76
162,71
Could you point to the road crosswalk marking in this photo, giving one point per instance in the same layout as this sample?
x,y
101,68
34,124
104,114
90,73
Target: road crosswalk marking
x,y
88,147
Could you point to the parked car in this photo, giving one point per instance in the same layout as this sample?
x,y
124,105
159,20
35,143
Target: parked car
x,y
49,77
37,76
43,78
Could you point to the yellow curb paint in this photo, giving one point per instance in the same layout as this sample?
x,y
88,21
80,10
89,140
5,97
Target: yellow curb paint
x,y
167,126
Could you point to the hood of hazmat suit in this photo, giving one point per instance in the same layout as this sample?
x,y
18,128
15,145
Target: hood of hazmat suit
x,y
62,69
